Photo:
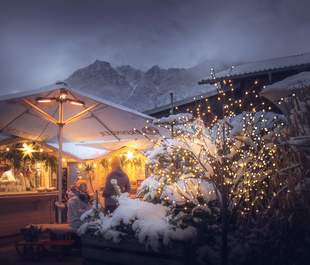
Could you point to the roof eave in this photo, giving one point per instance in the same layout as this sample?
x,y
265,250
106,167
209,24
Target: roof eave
x,y
263,72
180,103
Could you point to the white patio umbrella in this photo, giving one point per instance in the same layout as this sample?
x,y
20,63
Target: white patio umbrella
x,y
138,144
59,113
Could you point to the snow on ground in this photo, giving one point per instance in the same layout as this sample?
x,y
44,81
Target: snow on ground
x,y
148,221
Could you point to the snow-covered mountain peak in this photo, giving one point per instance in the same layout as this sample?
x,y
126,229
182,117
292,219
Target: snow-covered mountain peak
x,y
100,66
141,90
154,68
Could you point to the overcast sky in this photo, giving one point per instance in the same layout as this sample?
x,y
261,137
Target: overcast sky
x,y
43,41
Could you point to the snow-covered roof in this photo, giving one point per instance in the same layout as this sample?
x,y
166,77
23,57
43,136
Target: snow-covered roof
x,y
286,86
210,90
263,66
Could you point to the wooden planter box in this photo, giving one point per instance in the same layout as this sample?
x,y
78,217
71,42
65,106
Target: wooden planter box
x,y
131,252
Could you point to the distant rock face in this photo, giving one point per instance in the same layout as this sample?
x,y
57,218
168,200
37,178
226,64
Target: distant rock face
x,y
141,90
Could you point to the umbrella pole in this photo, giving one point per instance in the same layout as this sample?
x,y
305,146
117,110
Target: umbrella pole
x,y
60,140
60,129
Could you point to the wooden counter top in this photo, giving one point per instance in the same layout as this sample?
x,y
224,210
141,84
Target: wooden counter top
x,y
26,195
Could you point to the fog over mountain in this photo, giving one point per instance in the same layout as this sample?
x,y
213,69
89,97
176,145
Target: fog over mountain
x,y
142,90
45,41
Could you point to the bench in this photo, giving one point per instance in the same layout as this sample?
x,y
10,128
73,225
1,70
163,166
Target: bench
x,y
59,238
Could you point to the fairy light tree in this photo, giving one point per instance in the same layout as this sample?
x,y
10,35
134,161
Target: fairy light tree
x,y
176,178
244,172
236,154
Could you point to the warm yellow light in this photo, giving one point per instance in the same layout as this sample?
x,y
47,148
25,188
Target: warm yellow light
x,y
63,94
44,100
76,102
7,149
130,155
27,150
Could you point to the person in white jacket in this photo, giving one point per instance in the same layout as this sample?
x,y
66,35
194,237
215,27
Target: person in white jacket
x,y
78,203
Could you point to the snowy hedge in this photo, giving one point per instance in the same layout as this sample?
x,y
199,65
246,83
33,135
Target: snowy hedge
x,y
147,222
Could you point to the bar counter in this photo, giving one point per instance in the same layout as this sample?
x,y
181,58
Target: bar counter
x,y
19,209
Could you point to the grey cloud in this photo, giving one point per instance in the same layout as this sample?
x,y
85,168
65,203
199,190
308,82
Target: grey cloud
x,y
43,41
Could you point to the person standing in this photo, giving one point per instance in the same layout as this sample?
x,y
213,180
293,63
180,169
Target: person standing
x,y
78,203
117,182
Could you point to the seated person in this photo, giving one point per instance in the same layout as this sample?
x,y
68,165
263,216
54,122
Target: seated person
x,y
78,203
117,182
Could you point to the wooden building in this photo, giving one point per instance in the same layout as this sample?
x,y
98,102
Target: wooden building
x,y
51,121
28,184
34,202
244,78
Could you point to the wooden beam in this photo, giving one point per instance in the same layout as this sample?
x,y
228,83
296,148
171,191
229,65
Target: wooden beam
x,y
44,114
79,115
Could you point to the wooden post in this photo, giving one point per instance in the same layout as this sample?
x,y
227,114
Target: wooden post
x,y
224,192
97,200
60,129
171,113
224,249
269,77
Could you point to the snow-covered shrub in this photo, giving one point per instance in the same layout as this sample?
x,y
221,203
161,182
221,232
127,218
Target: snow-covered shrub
x,y
179,183
238,152
266,175
246,159
147,222
238,158
175,178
